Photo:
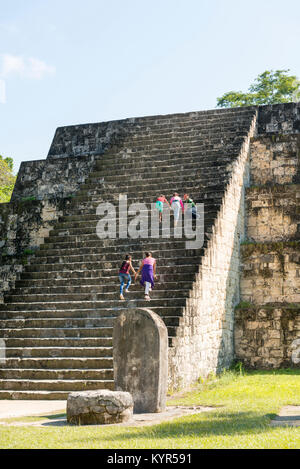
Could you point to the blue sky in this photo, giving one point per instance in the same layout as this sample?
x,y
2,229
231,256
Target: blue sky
x,y
65,62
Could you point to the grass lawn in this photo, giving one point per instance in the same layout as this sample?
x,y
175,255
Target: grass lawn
x,y
244,406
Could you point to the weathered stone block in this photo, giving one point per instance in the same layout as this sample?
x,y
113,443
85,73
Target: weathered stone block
x,y
99,407
141,358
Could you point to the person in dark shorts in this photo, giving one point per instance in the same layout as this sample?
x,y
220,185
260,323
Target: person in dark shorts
x,y
124,275
191,206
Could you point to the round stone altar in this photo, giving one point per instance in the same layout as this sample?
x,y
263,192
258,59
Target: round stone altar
x,y
99,407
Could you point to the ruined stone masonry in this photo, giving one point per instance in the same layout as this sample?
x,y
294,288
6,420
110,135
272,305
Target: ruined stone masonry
x,y
235,298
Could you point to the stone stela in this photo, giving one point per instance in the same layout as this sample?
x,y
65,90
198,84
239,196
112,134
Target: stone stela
x,y
141,359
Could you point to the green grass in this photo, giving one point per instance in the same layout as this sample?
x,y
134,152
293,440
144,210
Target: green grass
x,y
245,403
34,418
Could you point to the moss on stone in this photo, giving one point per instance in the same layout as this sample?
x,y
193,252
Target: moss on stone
x,y
247,250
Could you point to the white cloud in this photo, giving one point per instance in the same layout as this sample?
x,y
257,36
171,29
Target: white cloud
x,y
12,64
26,68
37,69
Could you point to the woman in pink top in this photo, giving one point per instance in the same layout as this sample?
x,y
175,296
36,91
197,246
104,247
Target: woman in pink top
x,y
176,204
148,268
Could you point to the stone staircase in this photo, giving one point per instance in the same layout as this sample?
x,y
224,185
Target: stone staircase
x,y
57,323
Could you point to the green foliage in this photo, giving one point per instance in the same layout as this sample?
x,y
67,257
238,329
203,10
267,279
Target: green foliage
x,y
28,199
5,193
270,87
7,179
28,252
238,367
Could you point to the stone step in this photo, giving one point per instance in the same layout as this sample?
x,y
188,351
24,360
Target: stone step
x,y
76,342
165,145
171,171
105,374
162,275
88,296
117,254
87,205
209,211
162,145
214,148
168,144
184,130
54,385
75,286
144,233
175,168
56,363
89,217
182,120
148,239
26,352
86,313
226,117
164,267
211,190
154,233
71,332
137,302
60,323
65,332
122,246
188,130
184,256
211,131
69,322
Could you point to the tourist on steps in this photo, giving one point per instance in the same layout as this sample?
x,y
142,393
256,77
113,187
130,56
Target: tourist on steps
x,y
124,275
191,206
176,204
148,268
160,205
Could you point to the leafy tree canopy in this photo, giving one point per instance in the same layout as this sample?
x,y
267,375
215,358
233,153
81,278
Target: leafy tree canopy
x,y
270,87
7,179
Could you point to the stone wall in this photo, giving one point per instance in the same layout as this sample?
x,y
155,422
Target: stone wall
x,y
23,227
87,139
57,178
204,342
279,119
267,319
268,336
271,273
275,159
273,212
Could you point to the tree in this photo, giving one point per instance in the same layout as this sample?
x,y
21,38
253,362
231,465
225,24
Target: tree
x,y
7,179
270,87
